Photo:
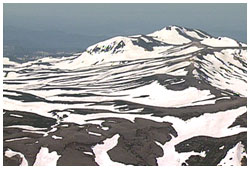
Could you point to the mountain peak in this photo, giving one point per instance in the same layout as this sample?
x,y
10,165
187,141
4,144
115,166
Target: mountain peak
x,y
168,41
172,27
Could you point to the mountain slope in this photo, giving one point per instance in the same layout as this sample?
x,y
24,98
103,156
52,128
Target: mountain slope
x,y
176,96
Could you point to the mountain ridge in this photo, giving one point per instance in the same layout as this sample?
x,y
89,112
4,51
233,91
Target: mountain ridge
x,y
155,42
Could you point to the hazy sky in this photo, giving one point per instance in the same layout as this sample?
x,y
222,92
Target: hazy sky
x,y
128,19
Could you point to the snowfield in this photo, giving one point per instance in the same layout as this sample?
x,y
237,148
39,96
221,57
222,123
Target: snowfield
x,y
174,97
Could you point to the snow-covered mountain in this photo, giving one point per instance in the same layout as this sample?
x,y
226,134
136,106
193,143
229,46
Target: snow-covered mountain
x,y
176,96
167,41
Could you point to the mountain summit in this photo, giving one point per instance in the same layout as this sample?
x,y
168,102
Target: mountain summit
x,y
162,43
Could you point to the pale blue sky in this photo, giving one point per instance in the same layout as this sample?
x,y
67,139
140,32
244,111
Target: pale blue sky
x,y
128,19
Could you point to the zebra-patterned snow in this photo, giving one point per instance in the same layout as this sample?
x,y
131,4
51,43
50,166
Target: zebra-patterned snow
x,y
176,96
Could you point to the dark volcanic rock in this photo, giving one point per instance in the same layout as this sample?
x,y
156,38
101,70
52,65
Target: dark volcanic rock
x,y
136,145
73,157
29,150
211,146
241,121
136,151
27,118
12,161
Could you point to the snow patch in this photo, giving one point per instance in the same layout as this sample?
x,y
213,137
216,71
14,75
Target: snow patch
x,y
169,98
96,134
26,127
100,150
57,137
213,125
234,156
15,115
220,42
45,158
16,139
